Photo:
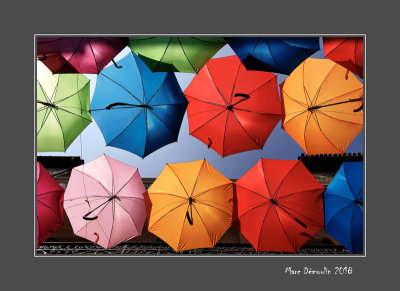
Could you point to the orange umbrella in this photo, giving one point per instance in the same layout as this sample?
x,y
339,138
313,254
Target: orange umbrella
x,y
191,205
319,104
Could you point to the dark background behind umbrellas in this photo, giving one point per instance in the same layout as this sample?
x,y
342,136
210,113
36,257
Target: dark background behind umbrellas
x,y
279,145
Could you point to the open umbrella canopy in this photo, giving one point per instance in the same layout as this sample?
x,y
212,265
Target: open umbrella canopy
x,y
63,103
346,51
135,109
191,205
49,211
344,204
85,55
273,54
232,109
279,205
104,201
319,106
176,54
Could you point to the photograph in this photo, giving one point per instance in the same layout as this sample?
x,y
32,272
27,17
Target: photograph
x,y
200,145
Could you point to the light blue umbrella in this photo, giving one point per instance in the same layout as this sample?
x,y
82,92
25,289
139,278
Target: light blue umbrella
x,y
135,109
344,205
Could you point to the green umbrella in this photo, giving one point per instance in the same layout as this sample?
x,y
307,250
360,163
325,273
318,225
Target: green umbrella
x,y
176,54
63,103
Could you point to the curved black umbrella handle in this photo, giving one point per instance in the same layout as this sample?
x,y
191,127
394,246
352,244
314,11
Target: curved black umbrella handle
x,y
115,64
210,143
188,218
359,108
43,58
246,96
85,217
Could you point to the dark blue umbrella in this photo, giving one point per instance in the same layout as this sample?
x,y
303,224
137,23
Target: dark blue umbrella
x,y
344,206
273,54
135,109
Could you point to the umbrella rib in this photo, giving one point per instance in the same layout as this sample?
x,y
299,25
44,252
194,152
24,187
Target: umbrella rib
x,y
183,224
178,179
234,83
123,208
208,41
94,179
175,137
204,192
316,97
316,120
336,213
205,101
207,122
94,56
341,42
266,83
141,79
205,227
112,224
49,192
336,118
223,140
305,129
72,95
147,131
255,46
257,112
47,114
253,192
262,224
245,211
297,101
297,192
162,84
74,53
348,184
181,204
304,88
283,179
133,175
284,231
265,180
259,146
212,80
197,178
165,51
198,113
51,99
352,200
183,50
80,116
122,87
207,204
46,206
59,123
295,46
78,204
275,61
169,194
44,92
133,120
297,115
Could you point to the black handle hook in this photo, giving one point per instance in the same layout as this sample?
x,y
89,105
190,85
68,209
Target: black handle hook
x,y
115,64
210,143
42,58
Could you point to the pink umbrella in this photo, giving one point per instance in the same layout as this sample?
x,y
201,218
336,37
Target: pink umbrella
x,y
104,201
85,55
48,204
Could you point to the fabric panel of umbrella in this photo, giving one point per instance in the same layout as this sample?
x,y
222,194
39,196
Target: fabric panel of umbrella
x,y
104,201
273,54
191,205
232,109
176,54
320,107
346,51
135,109
49,210
279,205
63,104
85,55
344,205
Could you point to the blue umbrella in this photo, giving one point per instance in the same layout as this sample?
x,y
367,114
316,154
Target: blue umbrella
x,y
135,109
344,206
273,54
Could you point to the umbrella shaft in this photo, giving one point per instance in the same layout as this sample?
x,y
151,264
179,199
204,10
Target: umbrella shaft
x,y
348,101
47,104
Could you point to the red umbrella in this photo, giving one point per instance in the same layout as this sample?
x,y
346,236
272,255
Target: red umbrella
x,y
85,55
279,205
232,110
347,52
49,208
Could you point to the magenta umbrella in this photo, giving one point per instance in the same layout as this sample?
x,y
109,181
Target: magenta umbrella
x,y
48,204
104,201
85,55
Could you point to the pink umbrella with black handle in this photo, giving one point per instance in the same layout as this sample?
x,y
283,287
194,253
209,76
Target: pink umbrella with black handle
x,y
104,201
